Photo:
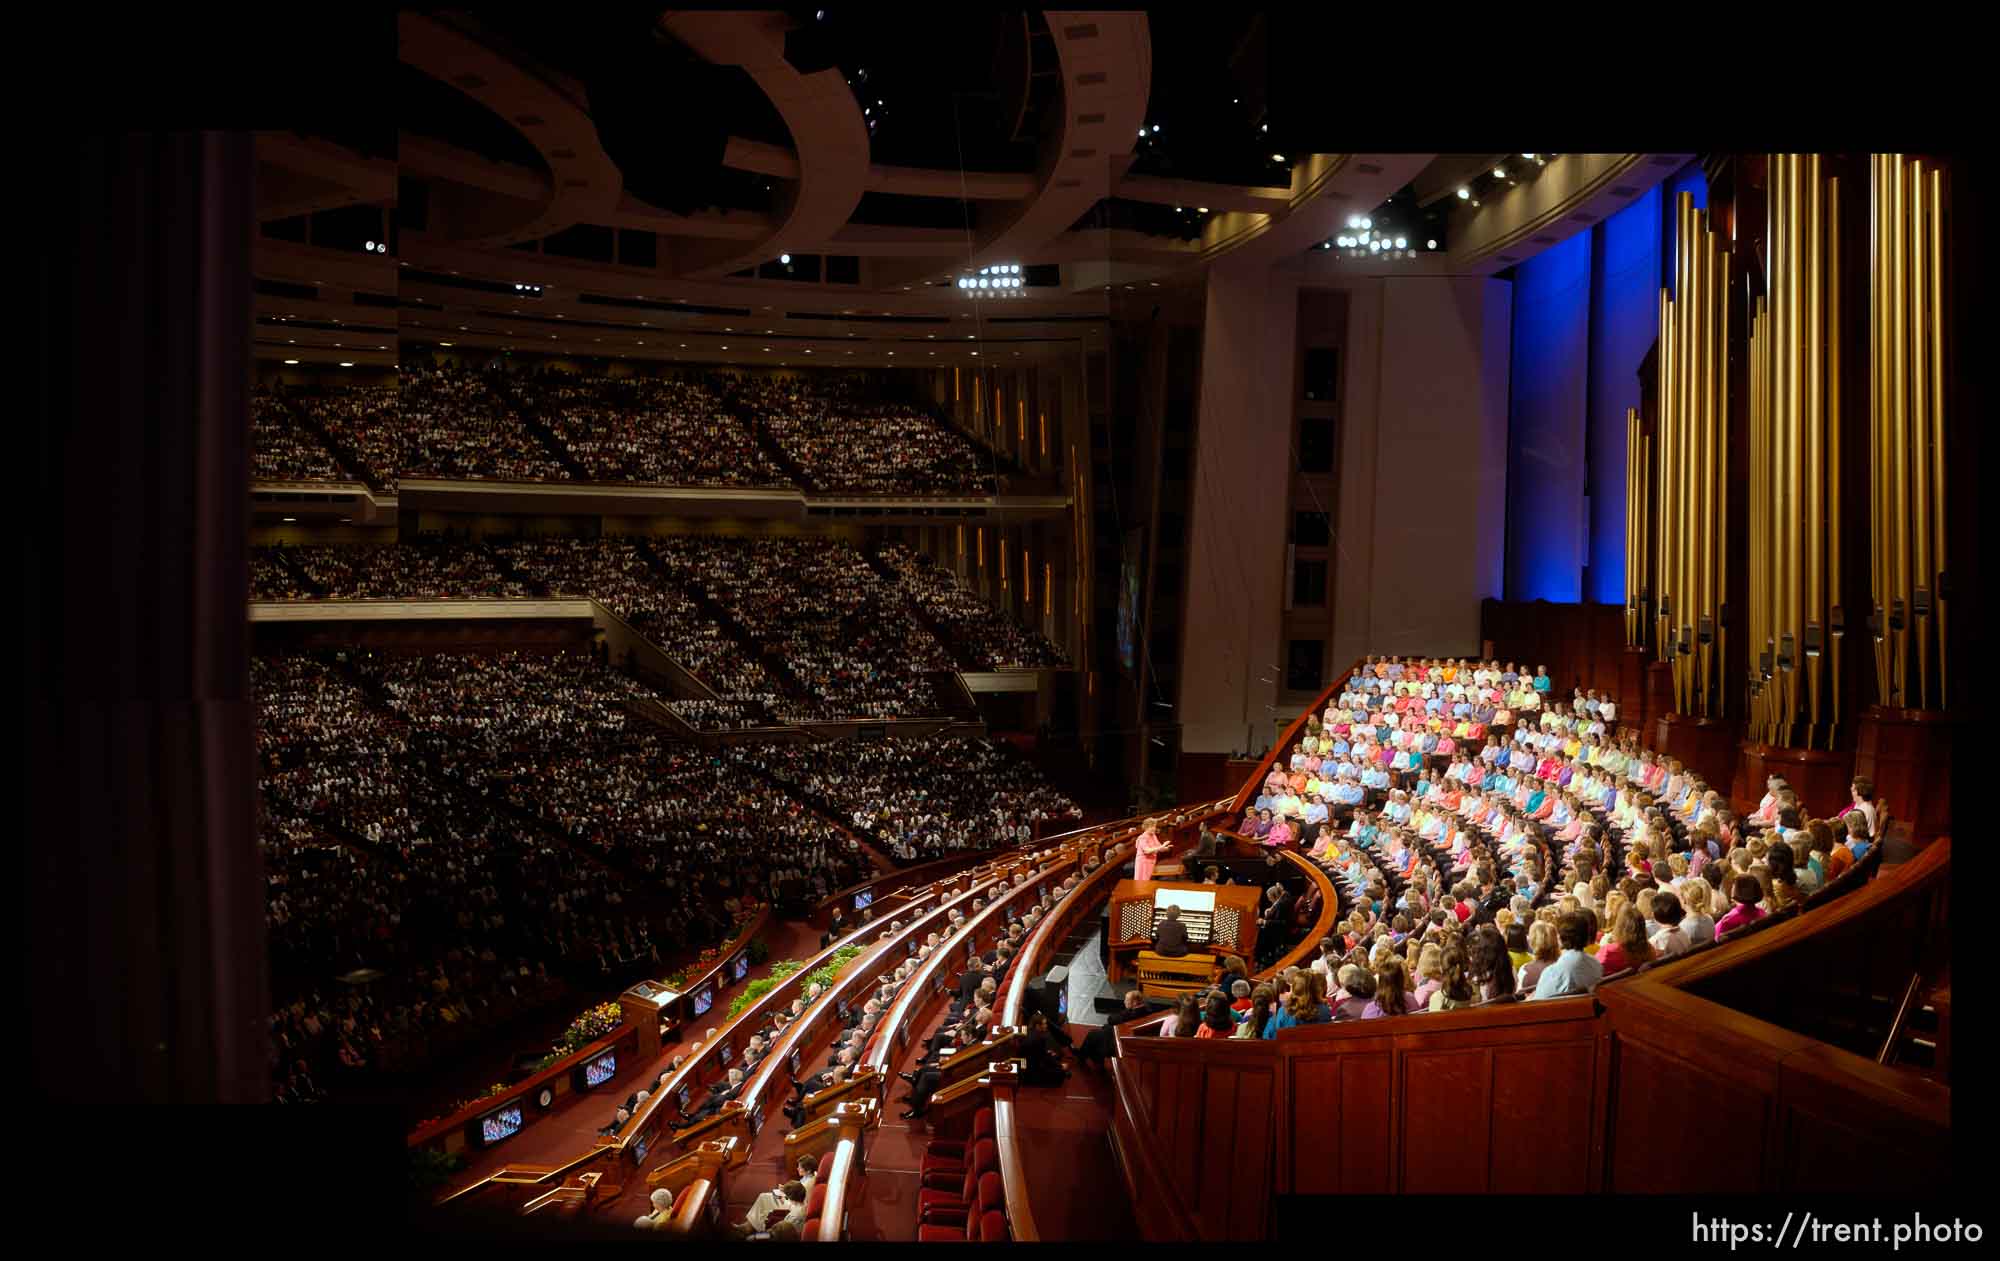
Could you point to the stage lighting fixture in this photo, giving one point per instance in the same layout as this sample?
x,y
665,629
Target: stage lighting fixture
x,y
291,361
1430,245
1529,156
1402,244
1366,222
347,365
1354,221
1464,193
786,259
1277,157
1201,210
1500,172
369,246
1374,246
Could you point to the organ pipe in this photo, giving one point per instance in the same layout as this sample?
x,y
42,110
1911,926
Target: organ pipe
x,y
1795,460
1906,429
1686,469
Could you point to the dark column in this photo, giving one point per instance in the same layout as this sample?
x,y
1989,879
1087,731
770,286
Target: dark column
x,y
144,884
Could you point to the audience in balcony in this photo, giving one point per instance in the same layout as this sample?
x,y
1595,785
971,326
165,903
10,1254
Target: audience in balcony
x,y
848,442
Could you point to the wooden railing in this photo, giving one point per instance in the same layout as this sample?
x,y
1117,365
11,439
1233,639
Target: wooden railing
x,y
1527,1093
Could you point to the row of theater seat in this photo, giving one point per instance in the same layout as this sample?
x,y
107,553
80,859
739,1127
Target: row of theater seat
x,y
961,1196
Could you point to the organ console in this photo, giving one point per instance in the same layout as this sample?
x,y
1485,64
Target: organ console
x,y
1220,918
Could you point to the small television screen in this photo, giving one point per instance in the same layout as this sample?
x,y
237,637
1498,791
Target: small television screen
x,y
501,1123
910,946
728,1054
641,1144
1062,1003
757,1119
741,966
600,1070
792,1062
681,1098
840,1009
703,1001
864,899
937,982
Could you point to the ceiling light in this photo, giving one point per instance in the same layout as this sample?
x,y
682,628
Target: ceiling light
x,y
1354,221
291,361
290,519
444,343
809,352
1430,245
1464,193
1201,210
1142,133
1156,129
1402,244
1265,127
1374,246
347,365
785,259
1277,157
370,247
1500,172
1529,156
1366,222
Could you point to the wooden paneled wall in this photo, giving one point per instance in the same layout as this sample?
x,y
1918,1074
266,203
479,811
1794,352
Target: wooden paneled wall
x,y
1583,645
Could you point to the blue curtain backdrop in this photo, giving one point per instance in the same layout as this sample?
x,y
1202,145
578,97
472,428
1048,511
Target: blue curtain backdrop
x,y
1624,301
1585,313
1545,424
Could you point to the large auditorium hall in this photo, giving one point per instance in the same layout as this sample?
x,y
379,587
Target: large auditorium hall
x,y
910,625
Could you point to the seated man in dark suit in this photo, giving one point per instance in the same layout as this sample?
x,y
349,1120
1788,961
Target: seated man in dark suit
x,y
795,1110
1170,939
1101,1043
1205,847
720,1093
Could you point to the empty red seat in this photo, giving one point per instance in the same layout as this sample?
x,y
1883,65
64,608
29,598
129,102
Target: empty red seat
x,y
816,1199
972,1220
948,1155
959,1198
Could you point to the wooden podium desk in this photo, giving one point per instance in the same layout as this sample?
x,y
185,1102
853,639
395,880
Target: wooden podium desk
x,y
1131,928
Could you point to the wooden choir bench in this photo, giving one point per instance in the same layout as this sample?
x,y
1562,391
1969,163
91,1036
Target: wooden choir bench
x,y
822,1135
865,1084
733,1121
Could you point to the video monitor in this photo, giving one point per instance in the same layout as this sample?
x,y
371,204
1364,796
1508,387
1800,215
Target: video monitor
x,y
727,1054
910,946
840,1010
600,1070
704,1000
740,967
642,1143
501,1123
864,899
757,1119
681,1098
792,1062
1062,1003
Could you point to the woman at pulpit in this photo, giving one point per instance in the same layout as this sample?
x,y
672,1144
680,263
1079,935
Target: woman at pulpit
x,y
1149,848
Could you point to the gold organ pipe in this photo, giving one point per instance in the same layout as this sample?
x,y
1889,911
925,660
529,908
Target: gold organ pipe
x,y
1901,419
1773,445
1683,413
1795,291
1920,481
1834,495
1755,380
1721,439
1658,543
1877,377
1781,312
1815,420
1704,532
1937,523
1710,537
1878,418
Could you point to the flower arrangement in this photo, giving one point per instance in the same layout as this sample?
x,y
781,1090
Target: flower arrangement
x,y
600,1021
